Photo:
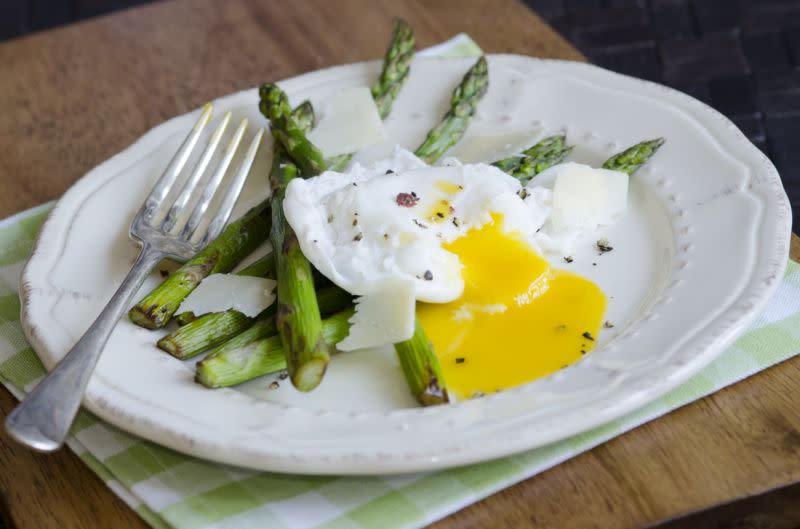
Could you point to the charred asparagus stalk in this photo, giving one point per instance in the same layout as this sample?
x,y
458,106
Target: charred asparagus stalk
x,y
298,317
421,368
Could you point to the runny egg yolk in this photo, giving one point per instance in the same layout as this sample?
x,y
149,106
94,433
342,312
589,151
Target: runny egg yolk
x,y
517,320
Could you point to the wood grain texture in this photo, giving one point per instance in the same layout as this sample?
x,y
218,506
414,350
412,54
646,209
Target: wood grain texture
x,y
75,96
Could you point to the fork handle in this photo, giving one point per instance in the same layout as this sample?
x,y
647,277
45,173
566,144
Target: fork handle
x,y
43,419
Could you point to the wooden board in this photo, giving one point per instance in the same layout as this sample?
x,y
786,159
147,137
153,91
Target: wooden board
x,y
74,96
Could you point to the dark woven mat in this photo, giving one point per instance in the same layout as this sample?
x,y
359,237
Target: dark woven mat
x,y
740,56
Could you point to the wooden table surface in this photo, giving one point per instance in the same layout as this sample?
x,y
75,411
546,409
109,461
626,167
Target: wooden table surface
x,y
74,96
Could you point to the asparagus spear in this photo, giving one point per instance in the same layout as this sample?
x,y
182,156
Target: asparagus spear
x,y
533,165
298,318
211,330
544,147
288,131
235,242
532,161
632,158
462,106
243,359
396,65
421,368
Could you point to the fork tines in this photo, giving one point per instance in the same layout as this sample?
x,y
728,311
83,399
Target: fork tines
x,y
176,223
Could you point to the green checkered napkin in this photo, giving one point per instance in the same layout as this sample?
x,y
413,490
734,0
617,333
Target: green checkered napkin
x,y
169,489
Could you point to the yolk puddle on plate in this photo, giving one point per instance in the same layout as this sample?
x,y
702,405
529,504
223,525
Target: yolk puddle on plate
x,y
517,320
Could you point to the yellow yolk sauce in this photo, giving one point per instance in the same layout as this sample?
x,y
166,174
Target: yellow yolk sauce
x,y
517,320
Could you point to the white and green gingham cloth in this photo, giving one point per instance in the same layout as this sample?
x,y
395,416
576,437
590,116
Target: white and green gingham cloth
x,y
173,490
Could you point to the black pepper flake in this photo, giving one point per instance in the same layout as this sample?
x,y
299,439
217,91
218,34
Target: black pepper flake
x,y
440,214
355,184
604,246
523,193
418,223
406,200
588,336
355,222
428,275
274,385
478,394
608,325
569,259
386,236
164,273
358,237
389,171
583,352
283,375
456,222
460,360
594,264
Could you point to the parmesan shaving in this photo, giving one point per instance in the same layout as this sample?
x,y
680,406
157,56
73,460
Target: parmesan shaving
x,y
222,292
349,122
383,317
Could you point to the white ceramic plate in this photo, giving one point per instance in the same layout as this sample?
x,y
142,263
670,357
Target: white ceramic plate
x,y
699,252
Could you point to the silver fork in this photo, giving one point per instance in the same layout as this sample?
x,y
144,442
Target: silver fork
x,y
43,419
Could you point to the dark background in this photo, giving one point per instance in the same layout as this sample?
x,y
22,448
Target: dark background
x,y
740,56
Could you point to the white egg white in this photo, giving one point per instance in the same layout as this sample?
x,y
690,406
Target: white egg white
x,y
352,229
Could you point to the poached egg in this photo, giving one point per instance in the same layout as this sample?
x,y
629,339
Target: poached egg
x,y
468,239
